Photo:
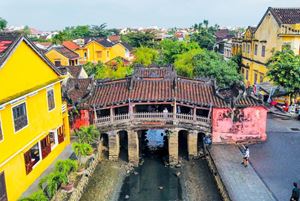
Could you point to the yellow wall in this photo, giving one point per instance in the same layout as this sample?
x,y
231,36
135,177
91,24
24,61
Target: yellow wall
x,y
107,53
24,70
118,50
53,56
268,34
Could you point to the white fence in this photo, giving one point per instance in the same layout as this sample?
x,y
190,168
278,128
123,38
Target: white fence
x,y
148,116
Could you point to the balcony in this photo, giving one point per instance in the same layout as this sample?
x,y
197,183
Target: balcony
x,y
64,107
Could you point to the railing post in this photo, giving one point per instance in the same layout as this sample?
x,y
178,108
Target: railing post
x,y
174,111
194,114
130,108
95,115
111,115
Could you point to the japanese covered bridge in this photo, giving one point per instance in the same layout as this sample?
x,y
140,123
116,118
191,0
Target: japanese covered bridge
x,y
156,98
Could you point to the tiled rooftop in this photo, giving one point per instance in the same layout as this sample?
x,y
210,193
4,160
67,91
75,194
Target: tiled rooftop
x,y
287,15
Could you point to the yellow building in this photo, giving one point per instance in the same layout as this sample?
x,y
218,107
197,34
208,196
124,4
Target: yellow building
x,y
278,28
236,48
103,50
62,56
34,127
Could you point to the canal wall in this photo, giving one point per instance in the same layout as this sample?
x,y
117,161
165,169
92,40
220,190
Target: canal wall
x,y
217,177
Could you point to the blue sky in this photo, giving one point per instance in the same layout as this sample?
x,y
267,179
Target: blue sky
x,y
56,14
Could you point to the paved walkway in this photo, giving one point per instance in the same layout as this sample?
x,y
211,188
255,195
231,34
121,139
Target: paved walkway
x,y
241,183
34,187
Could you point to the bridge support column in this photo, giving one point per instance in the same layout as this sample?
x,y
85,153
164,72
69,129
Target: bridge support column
x,y
192,144
113,146
173,147
133,148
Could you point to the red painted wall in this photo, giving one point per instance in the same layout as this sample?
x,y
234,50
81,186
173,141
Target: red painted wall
x,y
82,120
239,125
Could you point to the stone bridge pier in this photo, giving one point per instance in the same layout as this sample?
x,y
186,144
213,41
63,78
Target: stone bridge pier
x,y
133,145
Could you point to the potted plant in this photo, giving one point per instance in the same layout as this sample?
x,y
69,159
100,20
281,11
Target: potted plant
x,y
66,167
88,134
36,196
81,150
50,183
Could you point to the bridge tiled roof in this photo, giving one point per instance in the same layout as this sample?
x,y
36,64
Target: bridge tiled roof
x,y
164,90
160,85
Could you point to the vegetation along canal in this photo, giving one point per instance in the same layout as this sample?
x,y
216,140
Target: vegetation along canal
x,y
153,180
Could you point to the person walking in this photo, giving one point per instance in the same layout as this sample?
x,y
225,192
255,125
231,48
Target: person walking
x,y
246,156
295,193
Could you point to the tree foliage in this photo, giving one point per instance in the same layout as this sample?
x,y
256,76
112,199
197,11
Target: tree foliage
x,y
103,71
145,56
51,182
81,150
81,31
204,35
139,39
205,63
284,70
3,24
170,49
88,134
36,196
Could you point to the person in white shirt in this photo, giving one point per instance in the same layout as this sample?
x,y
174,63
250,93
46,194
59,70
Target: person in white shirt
x,y
246,156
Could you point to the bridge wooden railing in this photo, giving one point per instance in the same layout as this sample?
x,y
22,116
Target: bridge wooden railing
x,y
150,116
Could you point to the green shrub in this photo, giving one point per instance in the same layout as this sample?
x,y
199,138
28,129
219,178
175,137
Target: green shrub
x,y
66,166
36,196
81,150
50,183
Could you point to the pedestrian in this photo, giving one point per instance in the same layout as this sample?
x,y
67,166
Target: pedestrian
x,y
295,193
246,156
207,141
165,112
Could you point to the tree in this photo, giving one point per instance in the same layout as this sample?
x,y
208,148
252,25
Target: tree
x,y
205,63
26,30
170,49
99,30
204,35
3,24
91,68
284,70
238,60
145,56
139,39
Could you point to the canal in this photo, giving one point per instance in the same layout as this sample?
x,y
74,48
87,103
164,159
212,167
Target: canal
x,y
154,180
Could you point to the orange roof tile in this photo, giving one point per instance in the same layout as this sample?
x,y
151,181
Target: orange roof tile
x,y
70,45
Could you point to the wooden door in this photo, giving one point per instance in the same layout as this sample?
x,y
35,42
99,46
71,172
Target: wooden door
x,y
46,146
3,196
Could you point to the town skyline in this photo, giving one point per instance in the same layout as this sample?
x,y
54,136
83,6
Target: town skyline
x,y
49,16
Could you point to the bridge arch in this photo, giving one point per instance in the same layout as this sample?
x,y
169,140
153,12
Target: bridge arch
x,y
123,144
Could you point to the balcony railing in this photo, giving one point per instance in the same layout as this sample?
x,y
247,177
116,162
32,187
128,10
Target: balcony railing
x,y
149,116
64,107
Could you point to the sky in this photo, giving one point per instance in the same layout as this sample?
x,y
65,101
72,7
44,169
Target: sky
x,y
56,14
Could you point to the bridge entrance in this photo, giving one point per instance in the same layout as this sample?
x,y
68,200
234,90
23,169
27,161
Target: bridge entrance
x,y
123,144
183,144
